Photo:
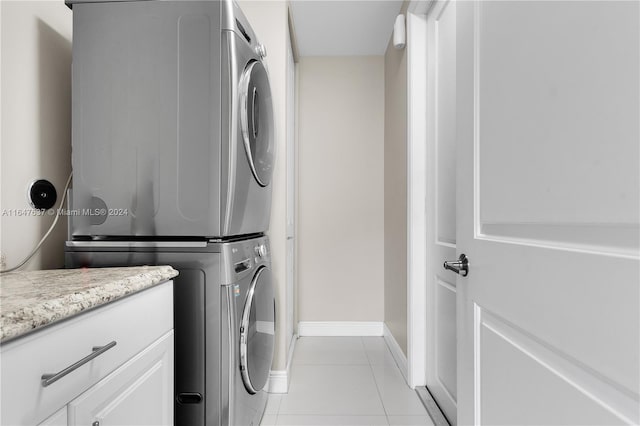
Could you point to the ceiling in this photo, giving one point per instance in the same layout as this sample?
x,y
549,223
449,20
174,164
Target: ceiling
x,y
343,27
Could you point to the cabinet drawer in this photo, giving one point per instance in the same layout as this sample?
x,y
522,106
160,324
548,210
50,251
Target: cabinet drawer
x,y
140,392
58,419
133,322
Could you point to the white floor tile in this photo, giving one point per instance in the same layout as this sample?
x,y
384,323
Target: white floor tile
x,y
410,421
345,381
330,350
287,420
332,390
269,420
377,350
273,403
398,398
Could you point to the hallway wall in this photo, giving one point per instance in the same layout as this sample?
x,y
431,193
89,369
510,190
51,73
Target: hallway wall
x,y
395,193
341,198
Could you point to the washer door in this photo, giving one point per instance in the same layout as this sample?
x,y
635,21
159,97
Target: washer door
x,y
257,332
256,118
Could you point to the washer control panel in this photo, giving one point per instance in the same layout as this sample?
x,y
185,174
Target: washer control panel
x,y
243,257
261,250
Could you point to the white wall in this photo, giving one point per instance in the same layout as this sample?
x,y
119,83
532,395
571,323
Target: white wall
x,y
395,193
341,188
35,98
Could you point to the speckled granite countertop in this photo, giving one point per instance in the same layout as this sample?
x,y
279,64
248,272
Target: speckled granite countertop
x,y
33,299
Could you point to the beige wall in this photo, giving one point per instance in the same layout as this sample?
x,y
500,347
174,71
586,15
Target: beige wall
x,y
395,194
269,21
36,122
341,199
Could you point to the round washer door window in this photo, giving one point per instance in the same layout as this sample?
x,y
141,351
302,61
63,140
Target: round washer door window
x,y
257,332
256,116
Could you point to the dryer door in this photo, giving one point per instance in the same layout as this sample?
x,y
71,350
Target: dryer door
x,y
256,115
257,332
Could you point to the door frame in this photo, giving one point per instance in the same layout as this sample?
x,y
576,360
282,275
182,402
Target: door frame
x,y
291,226
291,184
417,191
441,285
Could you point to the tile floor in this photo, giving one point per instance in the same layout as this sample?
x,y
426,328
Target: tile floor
x,y
345,381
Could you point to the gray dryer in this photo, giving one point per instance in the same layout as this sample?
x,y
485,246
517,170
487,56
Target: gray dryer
x,y
172,115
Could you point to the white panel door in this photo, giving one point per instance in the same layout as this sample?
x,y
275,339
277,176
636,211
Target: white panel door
x,y
441,217
548,212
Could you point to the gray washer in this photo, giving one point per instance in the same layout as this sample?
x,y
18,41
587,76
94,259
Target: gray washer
x,y
172,121
224,320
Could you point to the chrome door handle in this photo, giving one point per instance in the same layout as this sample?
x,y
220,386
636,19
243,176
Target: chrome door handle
x,y
48,379
460,266
253,112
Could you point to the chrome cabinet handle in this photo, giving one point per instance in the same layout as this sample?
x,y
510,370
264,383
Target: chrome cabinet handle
x,y
460,266
47,379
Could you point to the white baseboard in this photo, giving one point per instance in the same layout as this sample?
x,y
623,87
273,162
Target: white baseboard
x,y
396,352
279,379
340,328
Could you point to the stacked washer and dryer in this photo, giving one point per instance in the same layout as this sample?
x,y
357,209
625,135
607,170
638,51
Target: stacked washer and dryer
x,y
173,149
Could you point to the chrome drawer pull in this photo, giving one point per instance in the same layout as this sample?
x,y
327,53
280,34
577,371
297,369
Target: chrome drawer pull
x,y
47,379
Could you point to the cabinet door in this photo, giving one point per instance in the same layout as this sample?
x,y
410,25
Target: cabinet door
x,y
57,419
140,392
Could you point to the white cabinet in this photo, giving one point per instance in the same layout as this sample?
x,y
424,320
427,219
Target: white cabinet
x,y
58,419
130,383
138,393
